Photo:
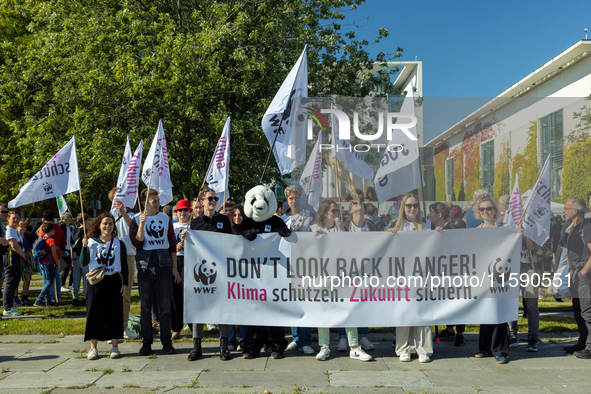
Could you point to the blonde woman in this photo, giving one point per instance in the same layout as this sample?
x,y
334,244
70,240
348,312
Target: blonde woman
x,y
420,338
493,339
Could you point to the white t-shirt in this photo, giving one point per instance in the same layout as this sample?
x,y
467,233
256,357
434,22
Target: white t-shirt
x,y
294,222
155,231
409,226
334,229
178,229
123,233
14,234
354,229
98,252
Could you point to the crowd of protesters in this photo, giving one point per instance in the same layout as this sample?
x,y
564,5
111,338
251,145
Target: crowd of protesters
x,y
151,245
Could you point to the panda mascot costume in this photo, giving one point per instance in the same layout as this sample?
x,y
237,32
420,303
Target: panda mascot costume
x,y
260,205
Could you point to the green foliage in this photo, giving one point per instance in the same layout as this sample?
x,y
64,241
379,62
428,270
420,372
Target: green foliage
x,y
502,172
576,170
459,192
102,70
526,164
439,174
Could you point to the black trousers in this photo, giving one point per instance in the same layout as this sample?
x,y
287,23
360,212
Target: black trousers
x,y
273,338
581,291
66,271
494,339
104,309
159,280
12,276
178,297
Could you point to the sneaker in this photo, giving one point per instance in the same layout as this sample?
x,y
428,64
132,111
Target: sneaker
x,y
110,341
12,312
292,346
64,289
211,327
501,360
323,354
38,303
25,300
481,355
366,344
231,348
115,352
343,345
16,301
585,354
276,355
459,341
247,356
532,346
404,357
146,350
50,303
359,354
307,349
128,334
92,354
423,358
513,342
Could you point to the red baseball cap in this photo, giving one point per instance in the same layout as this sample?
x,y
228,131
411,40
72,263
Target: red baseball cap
x,y
183,204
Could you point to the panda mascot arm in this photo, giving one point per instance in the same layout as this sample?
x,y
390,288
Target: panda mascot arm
x,y
260,205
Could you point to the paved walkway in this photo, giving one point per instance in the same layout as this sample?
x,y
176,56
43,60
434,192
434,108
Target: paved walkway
x,y
42,362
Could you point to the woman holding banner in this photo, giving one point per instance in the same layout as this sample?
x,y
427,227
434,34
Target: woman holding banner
x,y
493,339
329,221
421,338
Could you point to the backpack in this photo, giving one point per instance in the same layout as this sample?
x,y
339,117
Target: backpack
x,y
39,250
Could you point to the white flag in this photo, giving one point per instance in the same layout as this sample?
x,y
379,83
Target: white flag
x,y
58,177
124,164
156,167
345,153
218,173
536,221
127,187
285,118
515,209
400,169
311,179
62,207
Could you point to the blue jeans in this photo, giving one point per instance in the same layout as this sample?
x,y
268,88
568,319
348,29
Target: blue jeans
x,y
236,335
302,336
361,332
48,273
79,275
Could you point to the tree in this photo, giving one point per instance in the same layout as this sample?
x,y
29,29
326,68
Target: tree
x,y
102,70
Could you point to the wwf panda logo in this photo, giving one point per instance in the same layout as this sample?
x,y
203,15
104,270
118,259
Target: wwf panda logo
x,y
105,259
155,229
205,272
500,273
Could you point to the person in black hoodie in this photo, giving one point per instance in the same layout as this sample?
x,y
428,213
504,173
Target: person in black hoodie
x,y
209,220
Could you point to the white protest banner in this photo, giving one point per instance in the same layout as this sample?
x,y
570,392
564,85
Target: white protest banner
x,y
536,220
400,169
218,173
290,146
156,171
127,190
122,170
62,207
377,279
57,178
345,153
311,179
515,209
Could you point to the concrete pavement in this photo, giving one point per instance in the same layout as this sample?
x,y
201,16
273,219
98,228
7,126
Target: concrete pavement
x,y
49,363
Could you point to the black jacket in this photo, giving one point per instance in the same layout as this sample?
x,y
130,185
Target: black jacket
x,y
218,223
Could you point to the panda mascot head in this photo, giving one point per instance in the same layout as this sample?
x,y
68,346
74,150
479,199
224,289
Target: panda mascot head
x,y
260,203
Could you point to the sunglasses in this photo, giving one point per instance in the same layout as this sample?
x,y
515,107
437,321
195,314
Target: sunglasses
x,y
411,206
3,211
216,199
486,209
334,211
182,210
355,202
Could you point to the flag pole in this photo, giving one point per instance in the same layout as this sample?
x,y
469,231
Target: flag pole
x,y
210,163
307,198
82,211
336,166
271,151
422,187
148,192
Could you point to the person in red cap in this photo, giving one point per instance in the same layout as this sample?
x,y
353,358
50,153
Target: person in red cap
x,y
183,212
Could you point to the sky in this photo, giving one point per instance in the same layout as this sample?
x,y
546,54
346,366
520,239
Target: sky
x,y
473,49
